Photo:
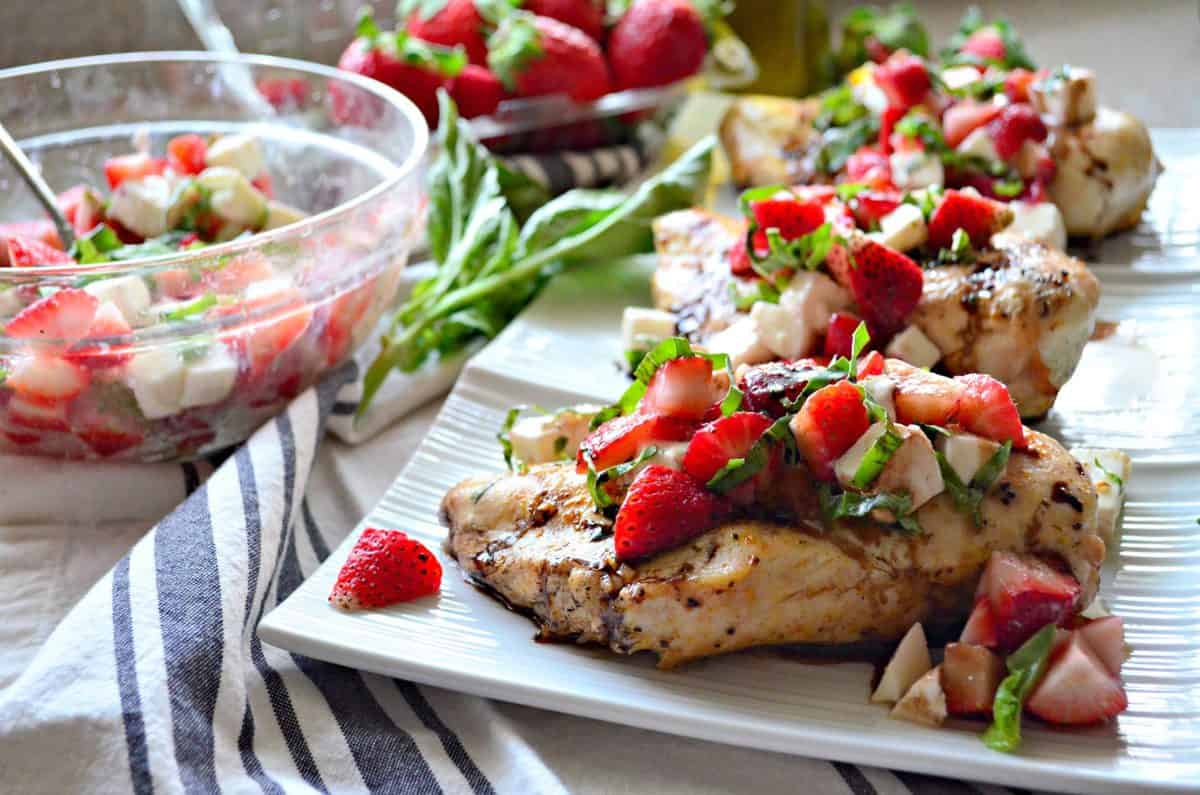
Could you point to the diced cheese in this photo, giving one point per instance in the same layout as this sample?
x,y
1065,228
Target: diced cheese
x,y
925,701
157,377
1042,222
669,455
960,76
979,143
233,198
129,293
789,329
280,214
240,152
966,453
882,390
846,466
551,437
210,379
910,662
1110,494
913,468
781,331
917,169
265,288
140,205
911,345
1068,96
740,342
903,228
643,328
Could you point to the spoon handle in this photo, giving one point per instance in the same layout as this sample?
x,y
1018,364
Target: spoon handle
x,y
40,189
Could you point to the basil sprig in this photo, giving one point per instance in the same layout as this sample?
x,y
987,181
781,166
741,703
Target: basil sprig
x,y
852,505
738,470
597,479
968,497
1026,666
876,458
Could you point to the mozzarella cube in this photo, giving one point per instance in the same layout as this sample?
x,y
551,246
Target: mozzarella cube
x,y
960,76
916,169
847,466
966,453
1067,96
882,390
265,288
740,342
979,143
280,214
903,228
925,701
780,331
910,662
1110,490
912,346
129,293
789,329
643,328
913,468
669,455
233,198
551,437
1042,222
141,205
240,152
210,379
157,378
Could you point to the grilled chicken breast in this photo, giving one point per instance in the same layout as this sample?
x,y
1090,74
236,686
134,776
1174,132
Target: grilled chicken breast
x,y
1022,313
536,541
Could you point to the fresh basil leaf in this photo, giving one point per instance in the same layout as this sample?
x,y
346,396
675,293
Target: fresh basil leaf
x,y
1026,666
896,27
1108,473
748,197
761,290
858,342
596,480
737,471
806,252
187,309
926,200
876,458
968,497
839,108
848,190
503,436
1008,188
960,251
851,505
839,143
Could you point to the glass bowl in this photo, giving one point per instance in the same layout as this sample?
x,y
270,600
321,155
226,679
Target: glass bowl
x,y
223,336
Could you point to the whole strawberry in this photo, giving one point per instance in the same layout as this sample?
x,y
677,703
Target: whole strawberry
x,y
476,91
449,23
534,56
587,15
383,568
657,42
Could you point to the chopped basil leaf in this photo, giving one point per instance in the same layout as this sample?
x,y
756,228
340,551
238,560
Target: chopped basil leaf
x,y
968,497
839,143
195,306
839,108
876,458
896,28
633,357
933,431
992,468
94,246
510,419
849,505
848,190
596,480
762,291
858,342
738,470
926,200
972,21
1113,476
3,375
1026,666
748,197
196,349
960,250
806,252
1008,188
560,446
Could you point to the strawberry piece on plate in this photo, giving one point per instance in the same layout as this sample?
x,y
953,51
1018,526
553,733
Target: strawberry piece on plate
x,y
871,364
970,676
97,350
30,252
1017,84
791,217
663,508
981,625
25,412
1016,124
979,217
682,387
63,317
385,567
620,439
871,206
831,420
1077,688
1025,594
986,408
986,43
839,339
1106,637
904,79
886,285
717,442
961,118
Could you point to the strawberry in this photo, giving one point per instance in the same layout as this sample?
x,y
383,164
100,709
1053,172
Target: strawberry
x,y
904,79
476,91
284,93
887,123
985,43
871,206
830,421
1017,83
986,408
792,218
263,184
970,677
662,509
1077,689
885,283
448,23
964,116
840,336
1106,637
133,166
981,625
82,208
238,273
29,252
766,386
717,442
186,153
740,263
263,340
871,364
108,323
41,234
534,56
1016,124
385,567
105,433
587,15
47,379
656,43
980,218
682,388
28,413
620,439
1024,595
63,317
871,166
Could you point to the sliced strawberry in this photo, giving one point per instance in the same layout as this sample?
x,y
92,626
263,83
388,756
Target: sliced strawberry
x,y
986,408
839,339
29,252
1025,594
962,117
886,285
42,232
980,218
63,317
1106,637
24,412
871,206
106,433
871,166
263,341
904,79
620,439
385,567
717,442
664,508
981,626
821,194
831,420
263,184
887,123
1016,124
740,263
871,364
186,153
923,397
238,273
1077,689
985,43
1017,83
134,166
82,208
682,388
970,677
47,379
107,325
792,218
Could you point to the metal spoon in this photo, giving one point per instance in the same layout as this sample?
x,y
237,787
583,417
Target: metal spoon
x,y
40,189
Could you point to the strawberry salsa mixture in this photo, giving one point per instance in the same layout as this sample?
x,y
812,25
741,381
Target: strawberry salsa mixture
x,y
77,384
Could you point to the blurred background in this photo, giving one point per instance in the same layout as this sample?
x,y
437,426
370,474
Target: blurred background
x,y
1146,54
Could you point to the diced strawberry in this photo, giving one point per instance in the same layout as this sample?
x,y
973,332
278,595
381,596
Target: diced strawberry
x,y
792,218
664,508
821,194
981,625
740,263
717,442
682,388
986,43
263,184
923,397
27,413
1016,124
970,677
871,364
986,408
239,273
1017,83
1025,595
620,439
47,379
871,206
887,123
886,285
108,323
980,218
63,318
877,51
186,153
904,79
1077,689
964,116
766,386
29,252
831,420
262,341
106,433
839,339
870,166
284,93
1106,637
82,208
41,232
133,166
385,567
